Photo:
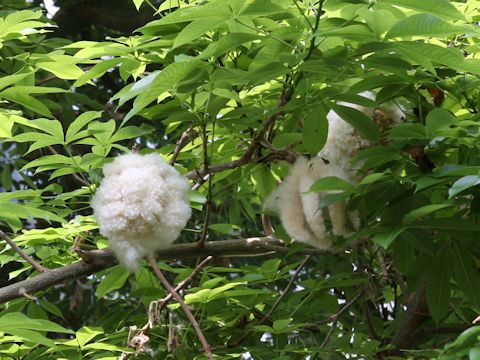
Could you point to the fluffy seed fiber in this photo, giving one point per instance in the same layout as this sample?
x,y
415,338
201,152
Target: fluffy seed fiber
x,y
299,210
140,206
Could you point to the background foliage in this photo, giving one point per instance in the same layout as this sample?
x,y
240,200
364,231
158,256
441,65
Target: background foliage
x,y
227,74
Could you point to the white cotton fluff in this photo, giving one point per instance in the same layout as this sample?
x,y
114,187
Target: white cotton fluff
x,y
140,206
343,142
299,209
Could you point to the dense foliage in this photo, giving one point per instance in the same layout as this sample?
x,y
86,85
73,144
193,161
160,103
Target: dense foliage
x,y
230,91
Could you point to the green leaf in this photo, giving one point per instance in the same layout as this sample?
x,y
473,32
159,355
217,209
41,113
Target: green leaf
x,y
222,228
138,3
407,132
164,81
462,184
359,121
424,25
466,272
30,336
26,211
373,82
438,7
85,334
474,353
32,90
226,43
332,183
190,13
438,284
115,279
281,324
130,132
6,124
79,123
196,29
439,121
196,197
359,32
56,159
452,223
20,321
18,20
428,54
12,79
283,140
423,211
221,289
28,102
385,239
315,130
97,71
62,70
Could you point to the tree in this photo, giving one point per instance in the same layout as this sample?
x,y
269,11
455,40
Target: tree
x,y
230,92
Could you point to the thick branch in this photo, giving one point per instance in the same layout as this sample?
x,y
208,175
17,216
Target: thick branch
x,y
97,260
410,330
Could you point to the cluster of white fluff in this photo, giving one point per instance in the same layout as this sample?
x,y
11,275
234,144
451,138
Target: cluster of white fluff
x,y
343,142
299,209
140,206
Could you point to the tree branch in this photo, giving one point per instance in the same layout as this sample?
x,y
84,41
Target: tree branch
x,y
96,260
410,330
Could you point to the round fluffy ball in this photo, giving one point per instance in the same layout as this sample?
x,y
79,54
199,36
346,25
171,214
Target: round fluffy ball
x,y
140,206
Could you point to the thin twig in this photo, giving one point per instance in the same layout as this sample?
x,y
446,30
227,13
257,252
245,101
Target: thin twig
x,y
278,301
182,284
20,252
186,310
336,316
314,30
184,139
287,289
208,208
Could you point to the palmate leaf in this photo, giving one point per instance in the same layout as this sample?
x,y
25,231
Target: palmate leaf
x,y
424,25
20,20
79,123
